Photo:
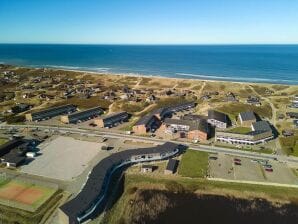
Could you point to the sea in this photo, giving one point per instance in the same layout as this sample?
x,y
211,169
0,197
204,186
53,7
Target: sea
x,y
242,63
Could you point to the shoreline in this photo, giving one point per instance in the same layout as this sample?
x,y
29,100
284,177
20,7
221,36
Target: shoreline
x,y
64,68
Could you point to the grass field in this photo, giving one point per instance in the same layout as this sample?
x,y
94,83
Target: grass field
x,y
233,109
240,130
193,164
290,145
23,195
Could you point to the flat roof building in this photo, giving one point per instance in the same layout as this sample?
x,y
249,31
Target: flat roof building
x,y
111,119
82,115
50,112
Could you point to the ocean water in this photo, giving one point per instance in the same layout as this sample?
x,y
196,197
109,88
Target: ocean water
x,y
247,63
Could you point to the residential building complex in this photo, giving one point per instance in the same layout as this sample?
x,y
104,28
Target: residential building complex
x,y
50,112
82,115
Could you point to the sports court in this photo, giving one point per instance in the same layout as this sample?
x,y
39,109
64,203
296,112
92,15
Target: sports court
x,y
23,195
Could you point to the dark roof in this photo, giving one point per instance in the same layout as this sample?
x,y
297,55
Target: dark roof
x,y
146,119
172,165
97,181
116,114
160,111
181,106
8,146
14,151
247,116
261,126
113,118
53,111
163,111
85,114
216,115
14,157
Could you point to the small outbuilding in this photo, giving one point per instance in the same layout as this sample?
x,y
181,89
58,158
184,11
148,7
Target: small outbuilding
x,y
147,168
171,166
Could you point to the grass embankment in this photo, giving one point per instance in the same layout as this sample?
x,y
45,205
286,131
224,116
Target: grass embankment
x,y
240,130
290,145
193,164
133,182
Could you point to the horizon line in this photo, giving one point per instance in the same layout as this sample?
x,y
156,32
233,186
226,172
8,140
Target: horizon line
x,y
144,44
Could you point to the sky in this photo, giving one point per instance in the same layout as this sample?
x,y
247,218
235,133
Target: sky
x,y
149,21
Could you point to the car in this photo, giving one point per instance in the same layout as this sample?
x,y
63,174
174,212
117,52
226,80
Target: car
x,y
269,169
237,160
212,157
237,163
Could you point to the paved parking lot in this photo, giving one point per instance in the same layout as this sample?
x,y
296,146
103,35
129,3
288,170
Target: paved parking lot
x,y
249,170
63,158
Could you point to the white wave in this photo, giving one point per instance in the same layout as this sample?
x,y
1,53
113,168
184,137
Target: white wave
x,y
252,79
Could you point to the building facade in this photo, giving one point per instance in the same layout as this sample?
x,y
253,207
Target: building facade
x,y
218,119
194,130
148,123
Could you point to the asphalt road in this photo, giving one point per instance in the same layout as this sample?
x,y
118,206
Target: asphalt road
x,y
206,148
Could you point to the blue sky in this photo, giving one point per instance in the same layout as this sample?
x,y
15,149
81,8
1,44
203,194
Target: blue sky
x,y
149,21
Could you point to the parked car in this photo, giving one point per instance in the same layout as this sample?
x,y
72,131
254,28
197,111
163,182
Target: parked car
x,y
237,163
269,169
237,160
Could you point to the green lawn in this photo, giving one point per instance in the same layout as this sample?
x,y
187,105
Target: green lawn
x,y
193,164
233,109
2,141
290,145
240,130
